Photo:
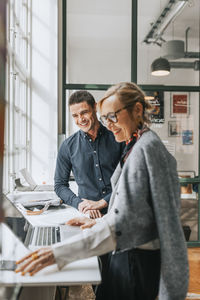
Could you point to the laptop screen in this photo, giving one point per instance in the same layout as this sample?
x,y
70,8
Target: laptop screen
x,y
16,222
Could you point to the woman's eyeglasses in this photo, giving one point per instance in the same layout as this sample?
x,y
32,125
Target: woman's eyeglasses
x,y
112,116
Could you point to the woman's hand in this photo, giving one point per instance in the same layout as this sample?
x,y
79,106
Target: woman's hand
x,y
83,222
94,213
35,261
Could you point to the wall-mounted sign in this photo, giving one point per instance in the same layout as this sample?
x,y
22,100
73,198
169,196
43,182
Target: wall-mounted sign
x,y
174,128
157,102
179,104
187,137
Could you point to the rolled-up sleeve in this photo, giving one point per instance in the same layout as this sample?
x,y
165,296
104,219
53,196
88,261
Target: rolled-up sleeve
x,y
97,240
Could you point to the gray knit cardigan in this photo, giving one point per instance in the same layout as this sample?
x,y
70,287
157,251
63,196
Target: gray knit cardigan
x,y
146,203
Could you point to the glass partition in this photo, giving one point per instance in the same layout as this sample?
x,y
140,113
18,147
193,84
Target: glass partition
x,y
98,41
189,211
169,29
107,47
175,118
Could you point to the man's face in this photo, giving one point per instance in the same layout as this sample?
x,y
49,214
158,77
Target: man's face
x,y
84,116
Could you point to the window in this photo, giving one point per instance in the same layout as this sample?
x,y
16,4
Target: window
x,y
18,108
98,41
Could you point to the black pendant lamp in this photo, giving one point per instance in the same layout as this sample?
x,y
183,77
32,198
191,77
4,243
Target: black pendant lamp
x,y
160,67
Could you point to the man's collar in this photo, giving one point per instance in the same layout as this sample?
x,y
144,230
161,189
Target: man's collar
x,y
100,131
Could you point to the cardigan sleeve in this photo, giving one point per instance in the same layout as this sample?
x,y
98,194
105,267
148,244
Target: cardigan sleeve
x,y
97,240
165,195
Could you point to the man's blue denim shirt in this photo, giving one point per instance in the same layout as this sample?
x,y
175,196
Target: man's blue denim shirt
x,y
92,164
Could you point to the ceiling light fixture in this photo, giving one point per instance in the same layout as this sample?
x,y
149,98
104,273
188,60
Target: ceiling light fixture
x,y
160,67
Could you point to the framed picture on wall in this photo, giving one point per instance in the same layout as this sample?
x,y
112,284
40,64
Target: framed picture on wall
x,y
174,128
186,174
186,188
187,137
180,104
156,99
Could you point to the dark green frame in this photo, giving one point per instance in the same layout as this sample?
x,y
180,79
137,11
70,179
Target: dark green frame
x,y
146,87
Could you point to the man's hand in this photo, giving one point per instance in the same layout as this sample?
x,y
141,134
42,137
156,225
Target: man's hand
x,y
91,205
35,261
83,222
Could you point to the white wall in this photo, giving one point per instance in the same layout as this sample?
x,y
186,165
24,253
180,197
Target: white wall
x,y
44,89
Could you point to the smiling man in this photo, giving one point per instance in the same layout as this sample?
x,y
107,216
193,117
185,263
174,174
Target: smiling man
x,y
92,154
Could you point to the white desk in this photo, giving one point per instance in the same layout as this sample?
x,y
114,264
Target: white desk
x,y
76,273
84,271
53,216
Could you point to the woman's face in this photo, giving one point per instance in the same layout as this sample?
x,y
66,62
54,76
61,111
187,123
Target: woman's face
x,y
125,125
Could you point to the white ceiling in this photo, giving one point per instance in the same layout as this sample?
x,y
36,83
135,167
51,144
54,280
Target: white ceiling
x,y
189,17
111,19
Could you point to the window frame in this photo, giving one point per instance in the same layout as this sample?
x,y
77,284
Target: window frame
x,y
145,87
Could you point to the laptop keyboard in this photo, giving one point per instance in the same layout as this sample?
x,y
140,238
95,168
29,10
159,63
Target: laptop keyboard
x,y
44,236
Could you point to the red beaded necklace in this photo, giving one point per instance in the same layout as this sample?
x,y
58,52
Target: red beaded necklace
x,y
134,135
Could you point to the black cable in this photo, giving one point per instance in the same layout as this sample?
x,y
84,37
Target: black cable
x,y
19,293
59,292
66,292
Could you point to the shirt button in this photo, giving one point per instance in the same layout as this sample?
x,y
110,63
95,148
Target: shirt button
x,y
90,140
116,211
100,179
118,233
97,165
95,151
104,192
117,193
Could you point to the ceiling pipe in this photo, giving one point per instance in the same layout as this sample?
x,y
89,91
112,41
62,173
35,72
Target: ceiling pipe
x,y
186,39
189,54
192,55
185,65
169,13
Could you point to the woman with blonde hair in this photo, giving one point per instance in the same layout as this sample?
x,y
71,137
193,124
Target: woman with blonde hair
x,y
142,225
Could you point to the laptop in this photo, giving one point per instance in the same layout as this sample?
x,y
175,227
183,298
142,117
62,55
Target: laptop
x,y
32,184
34,237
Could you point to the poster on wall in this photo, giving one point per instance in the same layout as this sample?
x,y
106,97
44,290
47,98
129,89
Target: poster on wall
x,y
187,137
174,128
156,99
186,188
179,104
